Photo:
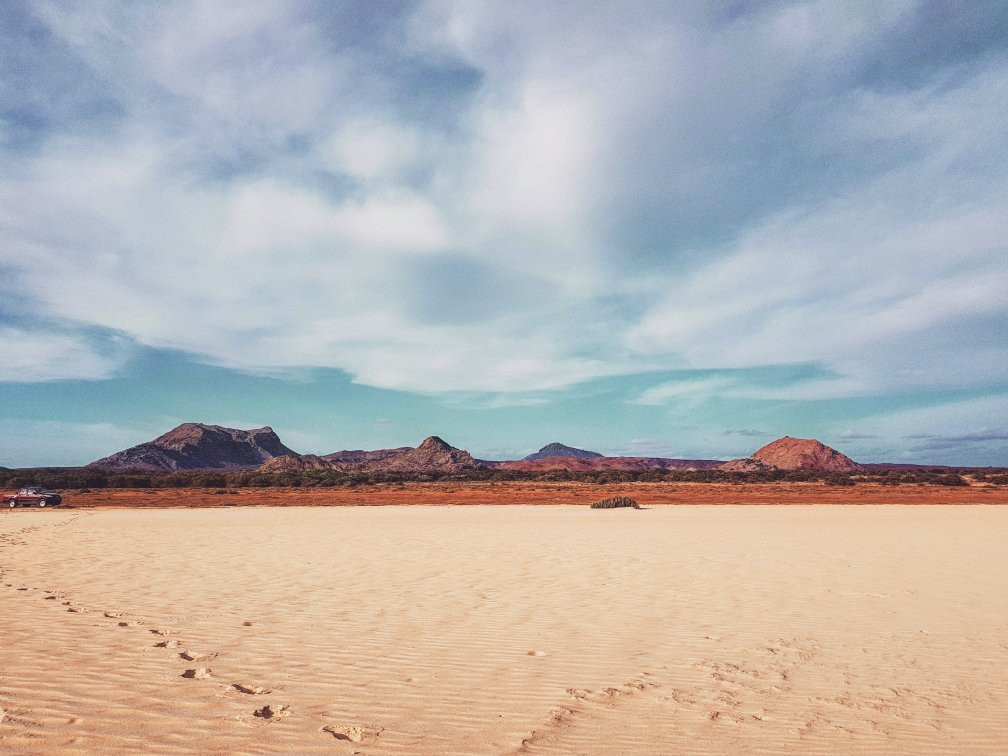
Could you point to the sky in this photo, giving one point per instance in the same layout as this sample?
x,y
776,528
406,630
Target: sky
x,y
649,228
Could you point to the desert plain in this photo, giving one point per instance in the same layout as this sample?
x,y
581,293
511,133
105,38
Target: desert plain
x,y
132,625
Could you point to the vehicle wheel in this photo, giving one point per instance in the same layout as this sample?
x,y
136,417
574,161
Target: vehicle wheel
x,y
41,502
12,503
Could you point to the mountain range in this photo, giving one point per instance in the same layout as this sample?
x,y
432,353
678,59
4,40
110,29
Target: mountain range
x,y
197,446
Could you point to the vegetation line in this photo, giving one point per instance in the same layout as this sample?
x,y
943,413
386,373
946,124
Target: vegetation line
x,y
65,478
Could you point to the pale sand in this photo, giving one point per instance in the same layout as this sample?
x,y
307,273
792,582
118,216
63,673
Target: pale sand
x,y
501,629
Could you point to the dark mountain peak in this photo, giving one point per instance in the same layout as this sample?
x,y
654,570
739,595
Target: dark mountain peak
x,y
556,449
195,446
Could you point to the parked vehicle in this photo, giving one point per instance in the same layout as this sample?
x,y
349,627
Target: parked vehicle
x,y
33,497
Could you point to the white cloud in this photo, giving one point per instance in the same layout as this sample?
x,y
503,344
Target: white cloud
x,y
531,160
371,150
741,387
669,391
34,355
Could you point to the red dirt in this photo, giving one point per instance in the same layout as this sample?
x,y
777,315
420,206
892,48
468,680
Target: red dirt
x,y
543,493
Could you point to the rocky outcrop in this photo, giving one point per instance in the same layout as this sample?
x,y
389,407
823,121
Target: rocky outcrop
x,y
359,456
433,455
556,449
195,446
295,463
789,453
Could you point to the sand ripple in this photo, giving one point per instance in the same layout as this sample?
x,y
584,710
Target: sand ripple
x,y
504,630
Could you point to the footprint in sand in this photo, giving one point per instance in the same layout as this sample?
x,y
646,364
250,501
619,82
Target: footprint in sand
x,y
189,655
200,673
352,733
170,643
268,712
251,690
536,653
113,615
130,623
163,632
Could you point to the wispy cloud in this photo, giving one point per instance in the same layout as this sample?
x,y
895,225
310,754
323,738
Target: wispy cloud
x,y
747,433
44,354
930,442
851,435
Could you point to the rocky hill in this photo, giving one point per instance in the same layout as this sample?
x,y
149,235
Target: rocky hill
x,y
433,455
556,449
195,446
789,453
295,463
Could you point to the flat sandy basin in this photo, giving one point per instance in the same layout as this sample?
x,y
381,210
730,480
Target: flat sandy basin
x,y
501,629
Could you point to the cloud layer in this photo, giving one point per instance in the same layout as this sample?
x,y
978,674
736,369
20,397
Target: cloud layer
x,y
512,197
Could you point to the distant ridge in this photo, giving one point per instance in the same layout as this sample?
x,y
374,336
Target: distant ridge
x,y
361,456
556,449
434,454
587,464
790,453
197,446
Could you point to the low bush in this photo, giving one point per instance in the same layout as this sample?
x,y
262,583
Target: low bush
x,y
615,501
951,479
839,480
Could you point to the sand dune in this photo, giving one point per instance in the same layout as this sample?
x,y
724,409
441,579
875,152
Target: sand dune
x,y
504,629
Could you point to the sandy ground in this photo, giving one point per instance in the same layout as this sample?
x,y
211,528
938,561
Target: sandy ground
x,y
481,629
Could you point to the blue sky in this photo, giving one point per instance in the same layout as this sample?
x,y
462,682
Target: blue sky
x,y
680,229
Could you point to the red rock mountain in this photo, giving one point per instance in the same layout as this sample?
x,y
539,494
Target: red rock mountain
x,y
195,446
789,453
